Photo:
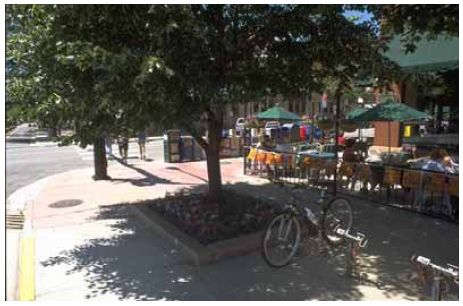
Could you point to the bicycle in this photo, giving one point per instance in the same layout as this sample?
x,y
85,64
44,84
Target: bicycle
x,y
282,236
426,269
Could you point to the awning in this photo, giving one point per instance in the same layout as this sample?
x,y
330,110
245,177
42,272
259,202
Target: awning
x,y
429,56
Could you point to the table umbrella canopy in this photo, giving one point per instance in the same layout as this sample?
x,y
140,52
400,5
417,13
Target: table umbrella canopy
x,y
391,111
278,113
355,113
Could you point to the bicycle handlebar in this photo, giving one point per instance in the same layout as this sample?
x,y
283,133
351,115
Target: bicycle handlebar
x,y
450,271
359,238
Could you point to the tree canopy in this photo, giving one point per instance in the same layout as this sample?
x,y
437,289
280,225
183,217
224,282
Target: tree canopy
x,y
106,68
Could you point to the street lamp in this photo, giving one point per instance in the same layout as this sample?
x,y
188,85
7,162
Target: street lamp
x,y
360,100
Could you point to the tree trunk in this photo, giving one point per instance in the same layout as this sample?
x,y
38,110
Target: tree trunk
x,y
99,159
213,162
53,132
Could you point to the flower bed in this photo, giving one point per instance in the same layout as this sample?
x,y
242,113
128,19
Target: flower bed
x,y
236,215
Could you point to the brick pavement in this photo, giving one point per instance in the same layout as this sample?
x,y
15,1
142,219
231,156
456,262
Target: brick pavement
x,y
98,250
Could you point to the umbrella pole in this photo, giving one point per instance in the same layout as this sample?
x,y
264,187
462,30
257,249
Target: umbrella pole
x,y
389,158
389,140
336,133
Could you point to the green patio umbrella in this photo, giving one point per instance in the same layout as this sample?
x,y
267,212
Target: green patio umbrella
x,y
391,111
278,113
355,113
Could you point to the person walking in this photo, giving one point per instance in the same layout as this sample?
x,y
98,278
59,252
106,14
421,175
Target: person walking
x,y
123,143
142,144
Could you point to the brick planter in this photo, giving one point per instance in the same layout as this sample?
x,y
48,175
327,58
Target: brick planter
x,y
197,253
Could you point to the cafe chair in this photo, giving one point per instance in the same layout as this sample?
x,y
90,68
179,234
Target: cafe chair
x,y
411,186
434,194
306,163
314,171
261,157
328,168
392,179
361,175
452,192
252,158
452,186
346,173
278,164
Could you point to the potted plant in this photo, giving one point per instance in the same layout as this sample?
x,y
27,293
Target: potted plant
x,y
325,123
348,125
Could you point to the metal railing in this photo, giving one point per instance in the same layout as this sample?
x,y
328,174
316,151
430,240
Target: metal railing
x,y
413,189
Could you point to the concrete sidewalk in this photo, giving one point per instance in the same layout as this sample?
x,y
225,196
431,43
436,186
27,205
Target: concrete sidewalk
x,y
90,246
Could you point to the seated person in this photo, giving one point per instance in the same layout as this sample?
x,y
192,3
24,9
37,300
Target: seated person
x,y
439,161
349,154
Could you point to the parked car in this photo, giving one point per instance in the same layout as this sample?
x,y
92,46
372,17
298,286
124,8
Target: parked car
x,y
239,126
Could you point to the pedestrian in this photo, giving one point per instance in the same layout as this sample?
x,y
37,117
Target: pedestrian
x,y
142,144
123,143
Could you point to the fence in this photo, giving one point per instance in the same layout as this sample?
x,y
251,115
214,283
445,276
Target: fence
x,y
417,190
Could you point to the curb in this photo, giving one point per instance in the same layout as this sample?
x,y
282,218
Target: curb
x,y
26,279
195,252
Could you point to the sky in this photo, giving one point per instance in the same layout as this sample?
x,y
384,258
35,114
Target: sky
x,y
364,16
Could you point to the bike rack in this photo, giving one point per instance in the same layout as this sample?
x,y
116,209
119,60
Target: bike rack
x,y
439,274
355,242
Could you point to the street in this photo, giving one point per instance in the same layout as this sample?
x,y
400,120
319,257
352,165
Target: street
x,y
27,163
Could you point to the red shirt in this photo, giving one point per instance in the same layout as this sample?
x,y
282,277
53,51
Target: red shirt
x,y
341,140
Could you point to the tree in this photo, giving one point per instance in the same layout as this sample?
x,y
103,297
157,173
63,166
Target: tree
x,y
414,21
72,81
183,63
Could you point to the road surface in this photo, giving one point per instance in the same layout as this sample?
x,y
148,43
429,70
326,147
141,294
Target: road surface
x,y
27,163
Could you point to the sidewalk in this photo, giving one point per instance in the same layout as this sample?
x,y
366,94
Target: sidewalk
x,y
90,246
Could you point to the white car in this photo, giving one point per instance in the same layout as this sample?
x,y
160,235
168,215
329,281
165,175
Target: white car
x,y
270,125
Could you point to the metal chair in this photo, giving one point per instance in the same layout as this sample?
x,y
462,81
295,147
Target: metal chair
x,y
362,175
346,172
261,157
434,193
251,158
392,178
411,183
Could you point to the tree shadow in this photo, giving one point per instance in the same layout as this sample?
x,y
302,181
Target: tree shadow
x,y
394,235
136,264
149,178
189,173
131,264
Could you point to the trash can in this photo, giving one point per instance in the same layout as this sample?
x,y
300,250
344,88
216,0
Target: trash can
x,y
198,151
186,149
172,146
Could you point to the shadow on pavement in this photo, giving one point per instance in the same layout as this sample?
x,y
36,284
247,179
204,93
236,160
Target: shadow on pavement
x,y
149,180
189,173
394,235
135,264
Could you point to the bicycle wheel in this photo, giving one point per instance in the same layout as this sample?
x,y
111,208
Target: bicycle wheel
x,y
281,240
337,213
